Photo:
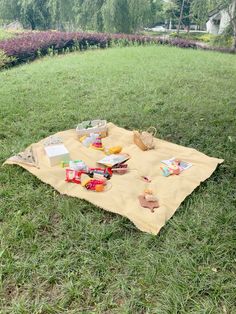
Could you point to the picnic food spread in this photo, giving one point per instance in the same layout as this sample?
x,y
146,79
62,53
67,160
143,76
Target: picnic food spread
x,y
95,179
130,173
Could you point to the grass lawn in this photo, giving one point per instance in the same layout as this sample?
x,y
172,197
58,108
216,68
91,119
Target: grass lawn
x,y
63,255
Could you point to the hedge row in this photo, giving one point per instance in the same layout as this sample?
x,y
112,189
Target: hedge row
x,y
30,45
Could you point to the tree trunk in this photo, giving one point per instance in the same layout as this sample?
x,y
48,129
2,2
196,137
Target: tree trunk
x,y
234,39
181,16
232,16
32,24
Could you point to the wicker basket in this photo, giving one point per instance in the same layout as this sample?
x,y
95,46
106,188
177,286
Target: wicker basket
x,y
144,140
94,126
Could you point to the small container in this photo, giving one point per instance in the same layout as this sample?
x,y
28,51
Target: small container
x,y
77,165
93,126
90,139
56,154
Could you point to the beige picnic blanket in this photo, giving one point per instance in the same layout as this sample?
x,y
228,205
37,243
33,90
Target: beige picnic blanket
x,y
122,197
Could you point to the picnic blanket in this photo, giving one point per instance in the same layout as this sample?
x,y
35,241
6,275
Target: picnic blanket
x,y
122,197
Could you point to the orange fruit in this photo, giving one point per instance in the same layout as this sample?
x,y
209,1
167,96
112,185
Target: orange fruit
x,y
99,188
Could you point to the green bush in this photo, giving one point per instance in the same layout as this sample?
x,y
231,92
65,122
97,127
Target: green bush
x,y
222,41
206,38
4,60
5,34
186,35
194,36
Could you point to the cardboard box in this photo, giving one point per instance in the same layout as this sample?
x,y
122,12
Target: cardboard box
x,y
56,154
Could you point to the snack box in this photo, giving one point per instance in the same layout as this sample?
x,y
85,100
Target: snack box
x,y
56,154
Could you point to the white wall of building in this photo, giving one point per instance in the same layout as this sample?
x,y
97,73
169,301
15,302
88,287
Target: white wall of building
x,y
211,27
218,22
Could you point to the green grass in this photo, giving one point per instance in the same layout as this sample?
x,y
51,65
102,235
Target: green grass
x,y
63,255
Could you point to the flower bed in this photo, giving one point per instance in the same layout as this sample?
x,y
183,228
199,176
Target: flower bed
x,y
30,45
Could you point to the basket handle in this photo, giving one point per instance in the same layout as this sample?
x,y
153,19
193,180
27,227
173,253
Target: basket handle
x,y
152,130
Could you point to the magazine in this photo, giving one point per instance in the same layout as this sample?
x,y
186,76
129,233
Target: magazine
x,y
183,165
114,159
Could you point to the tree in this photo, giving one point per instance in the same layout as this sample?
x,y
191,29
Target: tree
x,y
62,14
140,14
157,12
89,14
35,13
199,10
184,13
181,15
170,11
179,10
116,16
9,10
122,16
230,7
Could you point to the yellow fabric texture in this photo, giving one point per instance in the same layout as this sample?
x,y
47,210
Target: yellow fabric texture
x,y
122,197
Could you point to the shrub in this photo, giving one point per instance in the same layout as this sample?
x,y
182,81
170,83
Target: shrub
x,y
186,35
222,41
28,46
206,38
197,36
4,60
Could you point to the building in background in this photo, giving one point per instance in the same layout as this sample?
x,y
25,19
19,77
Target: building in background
x,y
16,25
218,21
